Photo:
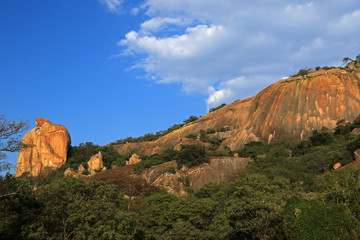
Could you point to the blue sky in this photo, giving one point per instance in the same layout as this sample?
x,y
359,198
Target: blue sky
x,y
108,69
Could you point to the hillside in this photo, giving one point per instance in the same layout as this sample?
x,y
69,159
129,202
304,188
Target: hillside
x,y
290,107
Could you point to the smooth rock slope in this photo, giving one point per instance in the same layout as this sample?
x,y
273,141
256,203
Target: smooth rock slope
x,y
291,107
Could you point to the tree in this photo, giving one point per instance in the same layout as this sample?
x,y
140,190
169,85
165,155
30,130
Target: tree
x,y
10,138
192,155
347,60
357,58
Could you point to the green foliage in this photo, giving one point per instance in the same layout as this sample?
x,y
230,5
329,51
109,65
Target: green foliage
x,y
157,135
191,155
18,206
190,119
224,129
210,131
184,180
302,72
254,149
216,108
170,170
160,198
321,137
354,144
314,219
289,191
155,159
191,136
342,187
81,154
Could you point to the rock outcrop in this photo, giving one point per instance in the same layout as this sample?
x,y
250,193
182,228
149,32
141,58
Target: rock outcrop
x,y
217,170
291,107
45,146
134,159
96,162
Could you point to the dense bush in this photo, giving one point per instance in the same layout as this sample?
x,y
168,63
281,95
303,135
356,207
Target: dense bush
x,y
191,155
216,108
314,219
191,136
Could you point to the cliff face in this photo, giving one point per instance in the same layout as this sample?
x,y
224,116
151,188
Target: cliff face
x,y
46,146
217,170
293,106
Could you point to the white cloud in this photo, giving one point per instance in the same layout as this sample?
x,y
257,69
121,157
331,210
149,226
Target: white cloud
x,y
220,47
156,24
112,5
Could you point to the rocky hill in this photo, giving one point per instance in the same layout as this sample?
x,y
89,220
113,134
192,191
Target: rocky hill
x,y
290,107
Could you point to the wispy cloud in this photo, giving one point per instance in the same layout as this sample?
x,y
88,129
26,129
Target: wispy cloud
x,y
113,5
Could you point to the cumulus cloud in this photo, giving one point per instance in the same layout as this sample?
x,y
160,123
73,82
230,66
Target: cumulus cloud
x,y
229,49
112,5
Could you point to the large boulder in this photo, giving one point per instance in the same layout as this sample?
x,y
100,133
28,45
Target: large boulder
x,y
44,147
96,162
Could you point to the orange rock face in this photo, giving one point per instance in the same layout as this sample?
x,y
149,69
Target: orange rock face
x,y
291,107
133,160
45,146
96,162
219,169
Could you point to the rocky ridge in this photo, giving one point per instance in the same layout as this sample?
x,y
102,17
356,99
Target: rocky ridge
x,y
291,107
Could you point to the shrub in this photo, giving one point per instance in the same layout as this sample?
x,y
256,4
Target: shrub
x,y
322,137
160,198
170,170
210,131
191,155
314,219
191,136
184,180
302,72
224,129
216,108
190,119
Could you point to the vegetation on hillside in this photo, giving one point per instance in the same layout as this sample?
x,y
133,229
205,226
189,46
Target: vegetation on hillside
x,y
157,135
346,62
216,108
289,191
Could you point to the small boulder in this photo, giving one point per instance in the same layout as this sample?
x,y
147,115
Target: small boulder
x,y
336,166
133,160
81,169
